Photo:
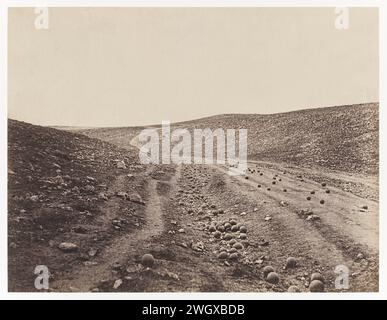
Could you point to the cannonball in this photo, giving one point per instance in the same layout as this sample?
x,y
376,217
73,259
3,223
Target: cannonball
x,y
316,286
291,263
232,242
233,256
272,278
227,237
217,234
147,260
234,228
223,255
232,250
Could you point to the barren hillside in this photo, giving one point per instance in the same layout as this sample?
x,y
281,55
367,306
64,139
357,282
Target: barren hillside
x,y
59,186
343,138
81,203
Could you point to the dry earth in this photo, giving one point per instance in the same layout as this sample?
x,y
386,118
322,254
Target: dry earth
x,y
207,231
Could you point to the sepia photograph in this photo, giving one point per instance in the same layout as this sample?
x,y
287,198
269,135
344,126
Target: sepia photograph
x,y
193,149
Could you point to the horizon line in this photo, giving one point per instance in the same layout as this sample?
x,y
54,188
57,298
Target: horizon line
x,y
81,127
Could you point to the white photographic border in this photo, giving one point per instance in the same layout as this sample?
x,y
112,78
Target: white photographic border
x,y
4,294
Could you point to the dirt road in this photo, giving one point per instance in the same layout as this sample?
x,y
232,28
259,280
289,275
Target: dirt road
x,y
272,202
113,257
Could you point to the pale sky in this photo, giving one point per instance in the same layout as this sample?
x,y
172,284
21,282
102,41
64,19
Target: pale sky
x,y
139,66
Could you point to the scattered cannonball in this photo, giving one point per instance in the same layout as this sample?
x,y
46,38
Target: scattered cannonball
x,y
285,190
317,276
266,270
227,237
279,179
268,189
324,184
233,222
365,207
238,246
291,263
233,256
259,186
273,182
316,286
322,201
272,278
246,177
308,198
217,234
223,255
327,191
147,260
243,229
261,174
312,192
293,289
232,250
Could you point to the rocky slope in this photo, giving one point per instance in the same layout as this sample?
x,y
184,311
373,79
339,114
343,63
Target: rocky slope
x,y
342,138
60,187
